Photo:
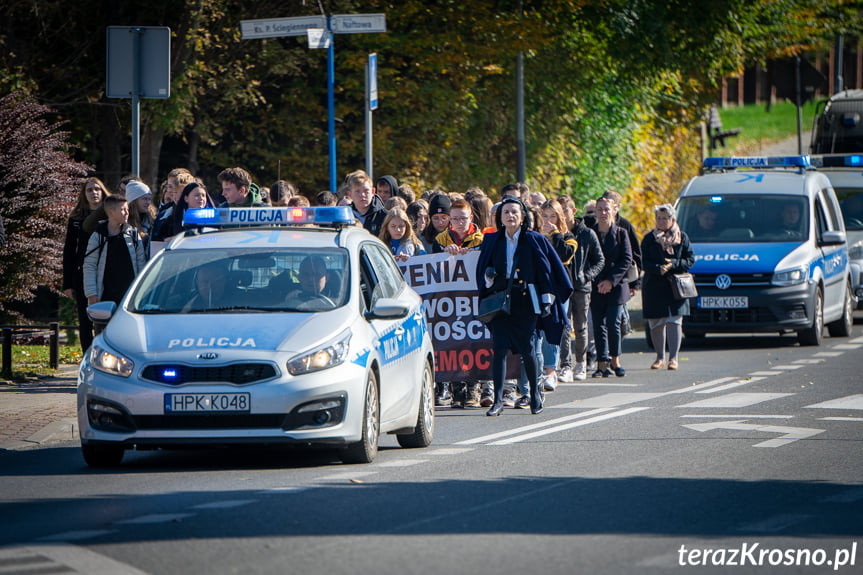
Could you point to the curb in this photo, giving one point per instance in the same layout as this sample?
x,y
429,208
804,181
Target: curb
x,y
65,429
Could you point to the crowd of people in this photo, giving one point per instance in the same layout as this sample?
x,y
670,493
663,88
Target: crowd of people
x,y
569,276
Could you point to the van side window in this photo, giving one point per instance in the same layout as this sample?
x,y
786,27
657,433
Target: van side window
x,y
820,220
830,208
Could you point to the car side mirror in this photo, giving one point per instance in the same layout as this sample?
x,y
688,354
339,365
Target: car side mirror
x,y
100,313
387,308
833,238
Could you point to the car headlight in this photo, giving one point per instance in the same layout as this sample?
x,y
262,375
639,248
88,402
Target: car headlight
x,y
326,356
791,277
115,364
855,252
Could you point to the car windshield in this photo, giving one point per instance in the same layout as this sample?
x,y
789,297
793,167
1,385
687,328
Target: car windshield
x,y
243,281
743,218
851,202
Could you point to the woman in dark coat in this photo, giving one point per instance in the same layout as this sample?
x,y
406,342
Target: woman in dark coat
x,y
664,251
540,286
90,197
610,289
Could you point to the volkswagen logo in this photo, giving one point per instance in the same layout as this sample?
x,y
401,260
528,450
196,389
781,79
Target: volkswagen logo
x,y
208,355
723,281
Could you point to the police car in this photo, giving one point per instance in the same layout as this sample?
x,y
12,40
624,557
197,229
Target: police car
x,y
770,249
296,327
846,176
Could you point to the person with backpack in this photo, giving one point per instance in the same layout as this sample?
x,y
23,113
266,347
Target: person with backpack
x,y
115,255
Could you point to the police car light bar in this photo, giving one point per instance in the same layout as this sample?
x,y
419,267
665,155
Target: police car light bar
x,y
758,162
838,161
221,217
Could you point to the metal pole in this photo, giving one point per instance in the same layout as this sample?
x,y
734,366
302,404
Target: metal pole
x,y
838,81
54,345
798,90
368,112
136,102
7,353
519,104
331,106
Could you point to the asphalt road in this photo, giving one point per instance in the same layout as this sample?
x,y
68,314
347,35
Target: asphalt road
x,y
751,451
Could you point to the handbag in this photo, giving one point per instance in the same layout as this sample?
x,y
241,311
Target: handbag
x,y
683,286
494,305
632,273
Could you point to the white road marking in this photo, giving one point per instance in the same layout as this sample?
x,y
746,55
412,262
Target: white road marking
x,y
155,518
736,400
448,451
347,475
840,419
856,340
847,346
790,434
847,402
747,416
616,399
589,384
401,463
224,504
808,361
530,427
787,366
829,353
570,425
76,535
774,524
700,386
764,373
849,496
51,557
732,385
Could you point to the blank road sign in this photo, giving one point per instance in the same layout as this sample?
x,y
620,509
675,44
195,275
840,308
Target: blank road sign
x,y
278,27
154,61
358,23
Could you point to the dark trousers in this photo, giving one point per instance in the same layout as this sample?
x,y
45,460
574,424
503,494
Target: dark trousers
x,y
525,346
85,326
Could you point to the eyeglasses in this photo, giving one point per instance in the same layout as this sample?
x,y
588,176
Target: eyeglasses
x,y
460,220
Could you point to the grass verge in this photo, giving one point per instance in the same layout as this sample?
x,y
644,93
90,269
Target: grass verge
x,y
34,360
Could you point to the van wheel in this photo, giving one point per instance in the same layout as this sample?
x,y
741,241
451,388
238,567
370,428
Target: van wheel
x,y
365,450
102,455
424,431
815,333
842,326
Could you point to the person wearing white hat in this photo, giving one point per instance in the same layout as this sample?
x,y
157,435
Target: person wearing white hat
x,y
142,213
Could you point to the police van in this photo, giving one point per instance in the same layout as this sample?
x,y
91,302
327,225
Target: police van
x,y
260,326
770,249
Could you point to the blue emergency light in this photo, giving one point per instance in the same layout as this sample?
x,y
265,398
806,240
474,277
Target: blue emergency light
x,y
225,217
758,162
838,161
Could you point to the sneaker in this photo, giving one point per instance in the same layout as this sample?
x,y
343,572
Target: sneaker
x,y
523,402
548,382
580,373
443,398
508,398
487,398
564,375
472,395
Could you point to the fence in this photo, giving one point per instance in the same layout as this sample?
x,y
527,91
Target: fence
x,y
53,343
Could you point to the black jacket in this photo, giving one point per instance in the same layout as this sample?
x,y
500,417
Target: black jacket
x,y
587,261
618,258
633,241
374,217
656,295
74,249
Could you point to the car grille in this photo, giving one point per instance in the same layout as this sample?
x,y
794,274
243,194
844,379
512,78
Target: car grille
x,y
737,280
210,421
237,373
736,316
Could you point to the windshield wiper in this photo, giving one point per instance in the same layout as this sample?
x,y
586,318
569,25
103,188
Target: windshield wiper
x,y
229,308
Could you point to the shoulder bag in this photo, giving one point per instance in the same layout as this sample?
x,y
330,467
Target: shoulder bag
x,y
499,303
683,286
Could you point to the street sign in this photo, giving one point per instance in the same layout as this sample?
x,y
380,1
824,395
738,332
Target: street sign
x,y
358,23
373,81
278,27
151,63
319,38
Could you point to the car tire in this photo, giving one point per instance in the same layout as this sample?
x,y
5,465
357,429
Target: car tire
x,y
842,326
102,455
815,333
365,450
423,433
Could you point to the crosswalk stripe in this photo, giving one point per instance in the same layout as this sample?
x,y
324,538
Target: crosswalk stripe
x,y
570,425
524,428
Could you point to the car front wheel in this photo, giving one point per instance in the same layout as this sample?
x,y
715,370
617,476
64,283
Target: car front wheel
x,y
424,431
365,450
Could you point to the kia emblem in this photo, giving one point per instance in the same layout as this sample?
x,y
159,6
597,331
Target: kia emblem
x,y
208,355
723,281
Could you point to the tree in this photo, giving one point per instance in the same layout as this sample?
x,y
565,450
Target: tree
x,y
38,179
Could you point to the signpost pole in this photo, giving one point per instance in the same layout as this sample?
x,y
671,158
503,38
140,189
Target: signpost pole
x,y
136,100
368,112
331,107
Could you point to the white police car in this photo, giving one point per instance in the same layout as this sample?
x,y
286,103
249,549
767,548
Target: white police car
x,y
846,176
770,249
277,332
